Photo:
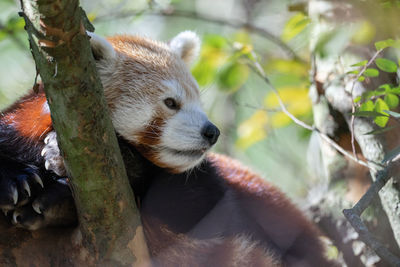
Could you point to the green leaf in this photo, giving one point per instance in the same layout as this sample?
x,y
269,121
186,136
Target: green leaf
x,y
391,100
370,114
204,72
361,78
295,26
3,35
380,106
214,40
371,94
384,44
381,130
360,64
386,65
213,56
367,106
394,90
353,72
371,72
392,113
233,76
15,23
385,87
357,99
364,33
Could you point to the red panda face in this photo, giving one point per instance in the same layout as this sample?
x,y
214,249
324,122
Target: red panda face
x,y
154,100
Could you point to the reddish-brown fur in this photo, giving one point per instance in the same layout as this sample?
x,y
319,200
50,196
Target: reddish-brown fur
x,y
279,218
28,117
219,214
258,204
188,223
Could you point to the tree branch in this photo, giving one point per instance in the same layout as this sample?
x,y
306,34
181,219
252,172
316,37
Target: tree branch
x,y
353,107
260,72
109,220
353,216
197,16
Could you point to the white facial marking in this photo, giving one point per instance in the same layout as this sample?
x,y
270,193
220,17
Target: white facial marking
x,y
138,113
182,142
45,108
175,89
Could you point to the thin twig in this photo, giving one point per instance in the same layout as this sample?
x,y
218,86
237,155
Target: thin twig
x,y
197,16
256,67
353,107
268,110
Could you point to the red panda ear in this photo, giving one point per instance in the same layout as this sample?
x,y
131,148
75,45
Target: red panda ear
x,y
187,45
101,48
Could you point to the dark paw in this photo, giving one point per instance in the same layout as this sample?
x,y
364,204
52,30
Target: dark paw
x,y
53,207
18,182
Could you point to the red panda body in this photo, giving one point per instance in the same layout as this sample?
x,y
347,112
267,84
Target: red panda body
x,y
219,214
216,214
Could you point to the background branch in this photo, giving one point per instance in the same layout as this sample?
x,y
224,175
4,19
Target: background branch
x,y
353,215
197,16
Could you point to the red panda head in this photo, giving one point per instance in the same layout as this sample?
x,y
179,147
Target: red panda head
x,y
153,98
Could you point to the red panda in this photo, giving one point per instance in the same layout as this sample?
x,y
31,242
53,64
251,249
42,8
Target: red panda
x,y
197,208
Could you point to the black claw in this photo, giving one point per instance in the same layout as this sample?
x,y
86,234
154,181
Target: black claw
x,y
16,217
18,183
8,193
53,206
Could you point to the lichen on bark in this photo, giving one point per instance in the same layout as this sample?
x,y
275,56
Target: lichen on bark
x,y
105,203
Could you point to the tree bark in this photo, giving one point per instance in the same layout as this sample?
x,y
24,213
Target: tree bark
x,y
332,89
109,231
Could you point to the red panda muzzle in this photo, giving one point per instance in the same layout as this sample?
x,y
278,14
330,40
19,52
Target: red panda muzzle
x,y
210,133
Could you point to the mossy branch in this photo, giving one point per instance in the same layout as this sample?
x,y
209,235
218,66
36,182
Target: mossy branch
x,y
109,221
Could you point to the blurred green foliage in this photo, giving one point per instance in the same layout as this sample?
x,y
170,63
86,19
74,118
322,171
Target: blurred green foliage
x,y
12,25
294,26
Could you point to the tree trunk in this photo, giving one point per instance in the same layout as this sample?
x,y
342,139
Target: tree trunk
x,y
109,230
331,93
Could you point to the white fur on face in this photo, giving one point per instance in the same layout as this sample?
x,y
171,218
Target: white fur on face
x,y
182,144
131,117
138,74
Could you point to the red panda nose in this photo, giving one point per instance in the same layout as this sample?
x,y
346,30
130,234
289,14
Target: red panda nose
x,y
210,132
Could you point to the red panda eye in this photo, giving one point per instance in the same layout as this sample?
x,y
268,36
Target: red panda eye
x,y
171,103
